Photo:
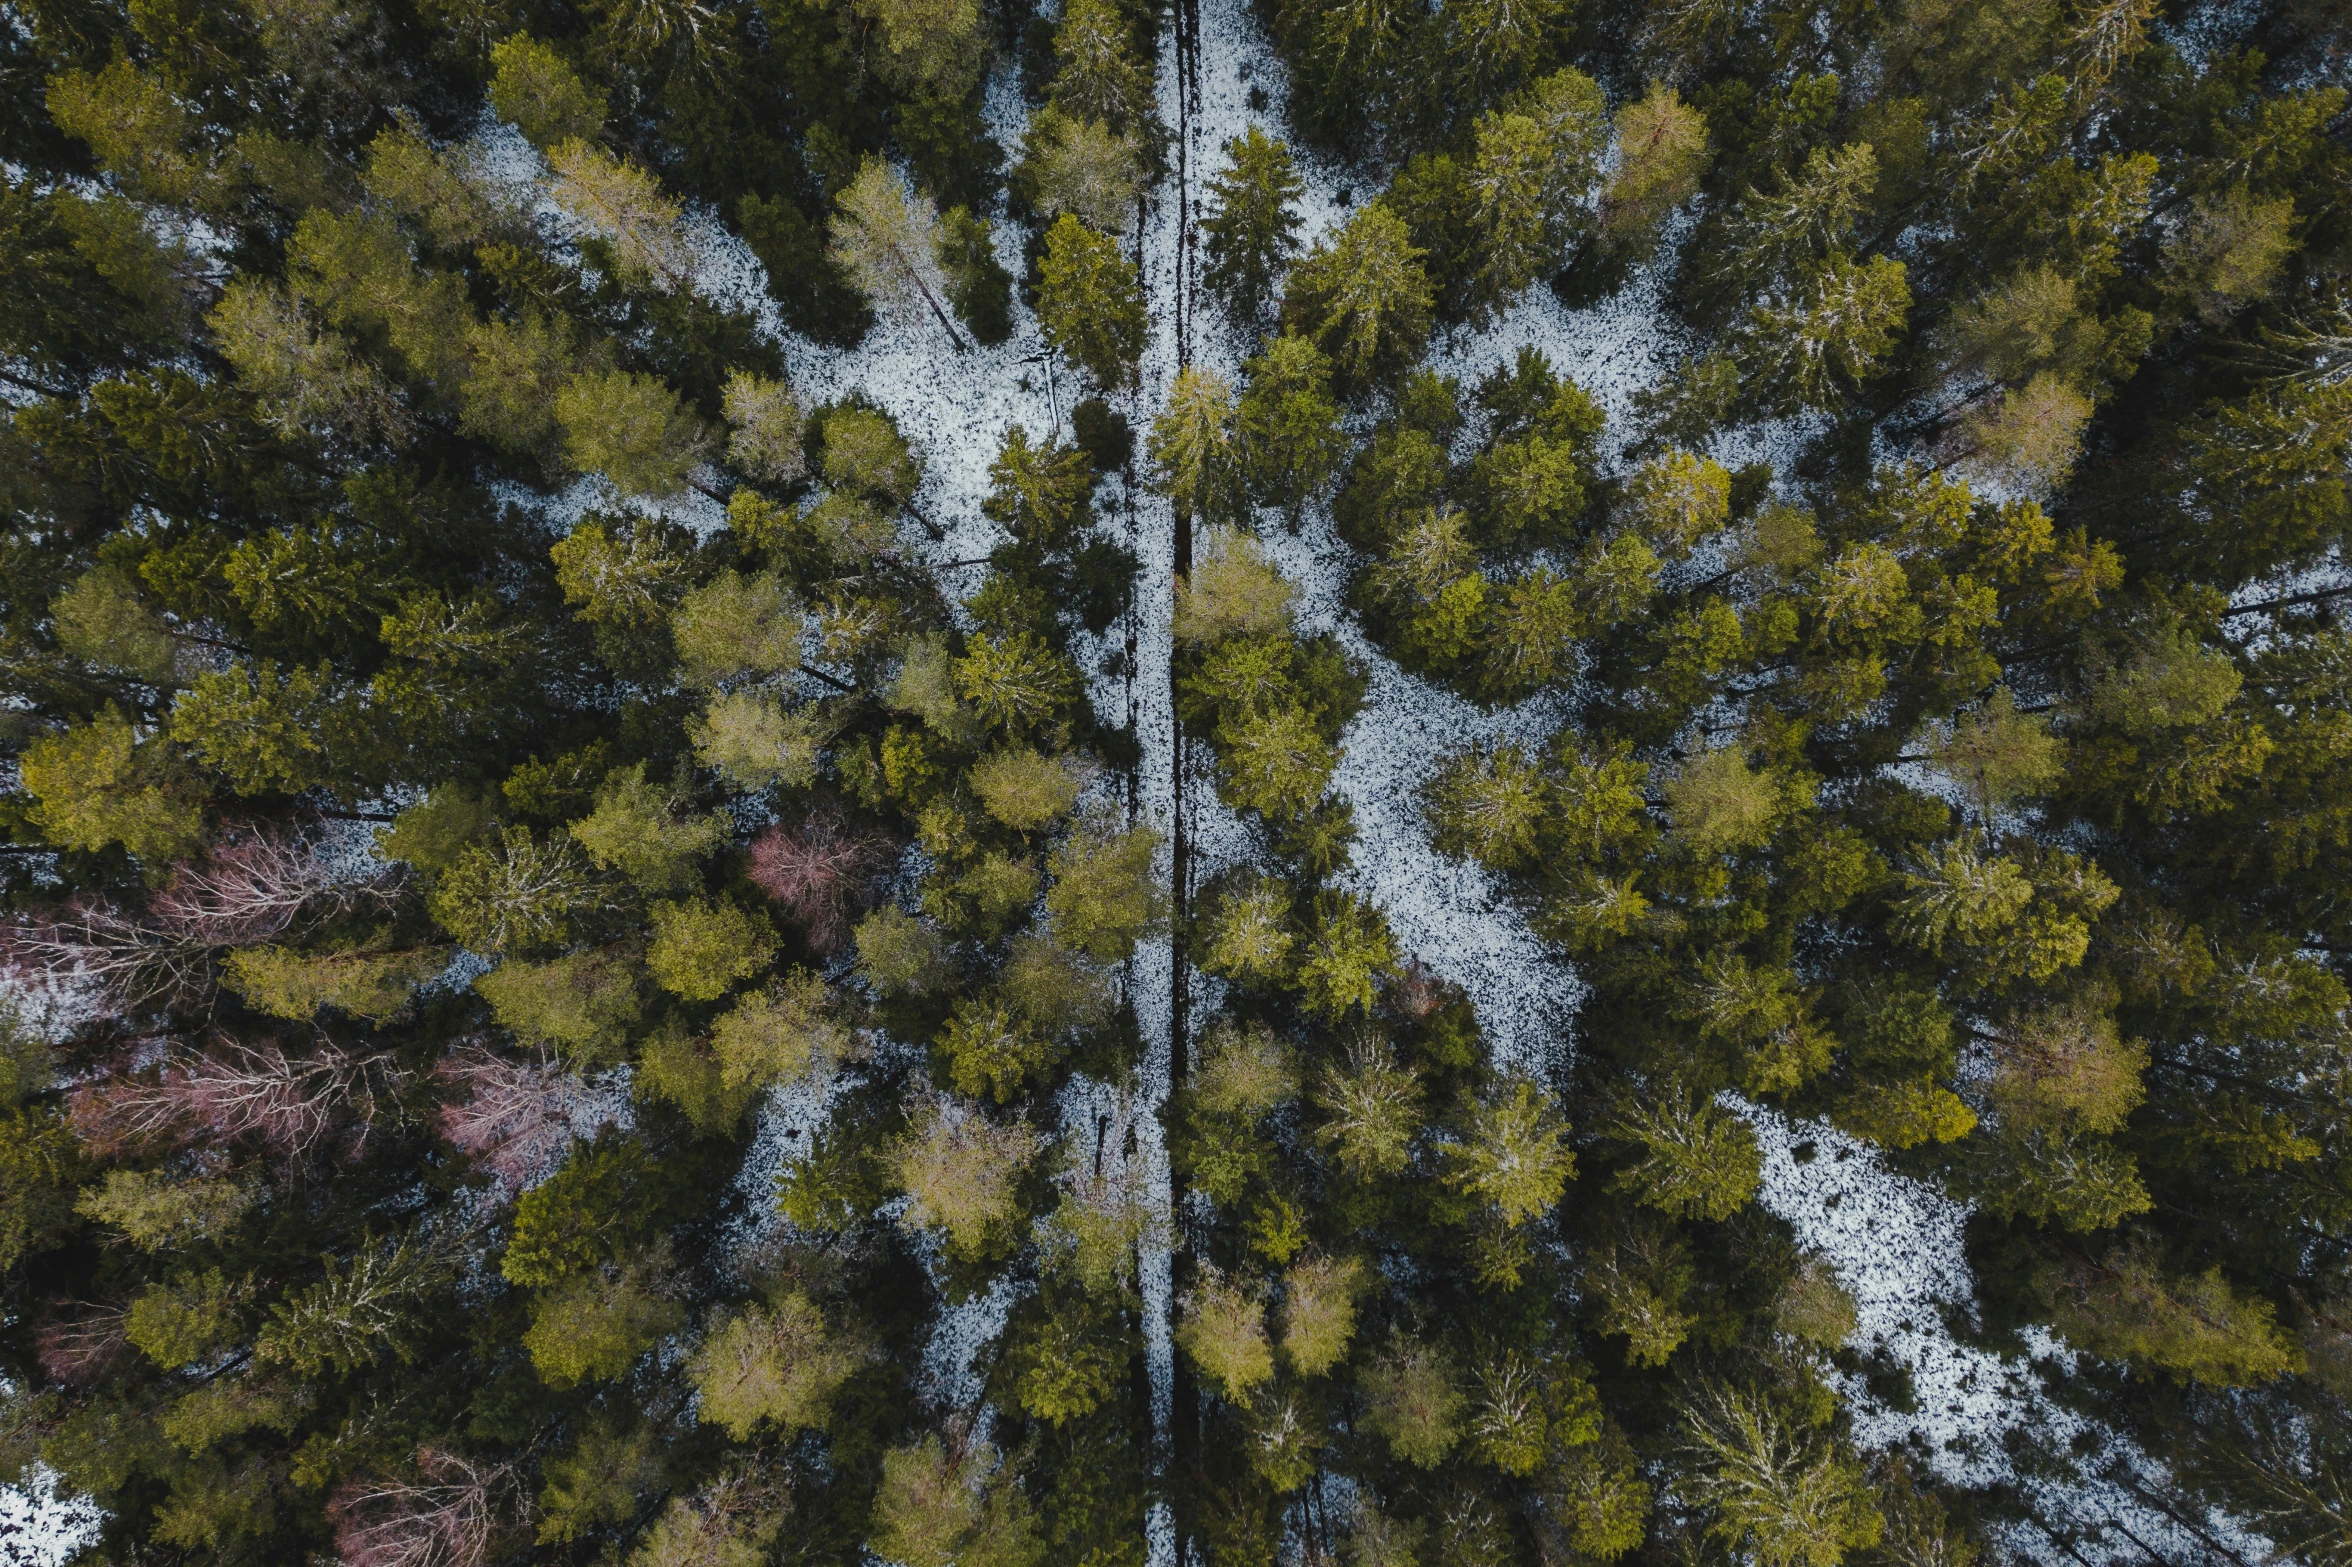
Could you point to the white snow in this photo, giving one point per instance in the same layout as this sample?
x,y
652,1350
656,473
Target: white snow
x,y
39,1528
1895,1242
1612,349
1448,913
783,1132
1896,1245
963,1329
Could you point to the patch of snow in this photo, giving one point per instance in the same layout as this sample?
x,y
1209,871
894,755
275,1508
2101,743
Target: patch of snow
x,y
39,1528
1613,349
2253,631
463,969
1449,913
962,1330
1844,1204
784,1131
2210,28
1897,1246
561,510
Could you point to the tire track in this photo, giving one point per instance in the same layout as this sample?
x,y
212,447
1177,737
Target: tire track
x,y
1183,1437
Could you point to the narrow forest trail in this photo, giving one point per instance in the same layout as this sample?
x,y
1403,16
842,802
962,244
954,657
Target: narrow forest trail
x,y
1160,980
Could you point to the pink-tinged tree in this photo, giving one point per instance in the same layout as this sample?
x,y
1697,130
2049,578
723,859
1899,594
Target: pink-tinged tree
x,y
449,1516
820,873
252,887
288,1104
81,1344
515,1118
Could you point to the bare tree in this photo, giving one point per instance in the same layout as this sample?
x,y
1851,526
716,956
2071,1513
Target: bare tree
x,y
254,886
289,1104
515,1117
446,1518
819,873
250,888
90,941
81,1343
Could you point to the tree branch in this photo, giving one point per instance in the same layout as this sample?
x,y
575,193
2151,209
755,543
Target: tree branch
x,y
31,385
2291,601
835,681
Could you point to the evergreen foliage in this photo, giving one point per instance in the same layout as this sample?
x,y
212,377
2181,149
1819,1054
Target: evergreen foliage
x,y
610,1043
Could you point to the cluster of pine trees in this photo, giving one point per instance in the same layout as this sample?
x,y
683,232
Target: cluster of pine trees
x,y
542,1035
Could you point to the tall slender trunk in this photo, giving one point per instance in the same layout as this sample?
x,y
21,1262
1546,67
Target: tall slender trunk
x,y
946,323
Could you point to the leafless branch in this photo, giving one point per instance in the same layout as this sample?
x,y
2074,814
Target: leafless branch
x,y
516,1117
448,1518
290,1104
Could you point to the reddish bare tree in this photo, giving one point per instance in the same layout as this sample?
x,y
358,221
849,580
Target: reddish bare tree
x,y
1416,992
81,1343
516,1117
289,1104
252,886
446,1518
248,888
92,942
820,873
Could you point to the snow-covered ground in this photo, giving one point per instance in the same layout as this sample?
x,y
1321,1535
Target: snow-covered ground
x,y
1895,1242
40,1529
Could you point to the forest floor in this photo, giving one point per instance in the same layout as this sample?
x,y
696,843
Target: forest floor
x,y
1983,1415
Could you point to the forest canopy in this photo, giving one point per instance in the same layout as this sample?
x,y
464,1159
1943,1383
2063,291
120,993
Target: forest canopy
x,y
622,943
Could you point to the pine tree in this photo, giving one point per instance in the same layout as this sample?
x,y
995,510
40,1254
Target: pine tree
x,y
2129,1305
1534,165
1362,298
1827,332
1192,443
1252,225
1081,167
541,94
887,239
1813,214
624,206
630,428
928,45
1098,75
1770,1490
766,419
1090,302
1286,427
1662,153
